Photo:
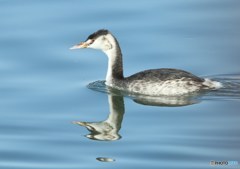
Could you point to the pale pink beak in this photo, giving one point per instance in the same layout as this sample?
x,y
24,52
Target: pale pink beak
x,y
83,44
80,45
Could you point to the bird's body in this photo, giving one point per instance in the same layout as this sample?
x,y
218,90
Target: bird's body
x,y
154,82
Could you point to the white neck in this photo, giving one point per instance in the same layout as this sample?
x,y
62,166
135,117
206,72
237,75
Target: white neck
x,y
111,61
114,61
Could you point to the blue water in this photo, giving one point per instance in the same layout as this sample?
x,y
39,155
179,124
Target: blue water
x,y
46,103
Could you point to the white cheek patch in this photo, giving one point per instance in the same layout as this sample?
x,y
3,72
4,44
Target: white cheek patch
x,y
104,43
94,44
108,45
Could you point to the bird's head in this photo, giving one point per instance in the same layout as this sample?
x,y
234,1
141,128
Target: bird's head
x,y
102,39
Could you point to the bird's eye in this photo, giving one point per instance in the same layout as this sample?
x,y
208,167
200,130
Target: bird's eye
x,y
91,41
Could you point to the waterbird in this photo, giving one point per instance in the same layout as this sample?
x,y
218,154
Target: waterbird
x,y
153,82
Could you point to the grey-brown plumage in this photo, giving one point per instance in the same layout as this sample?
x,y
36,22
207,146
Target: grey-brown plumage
x,y
164,74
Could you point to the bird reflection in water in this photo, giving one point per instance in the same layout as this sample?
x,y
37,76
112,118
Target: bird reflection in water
x,y
108,130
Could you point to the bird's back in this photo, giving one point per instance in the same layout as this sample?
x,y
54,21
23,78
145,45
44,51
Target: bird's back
x,y
162,82
163,74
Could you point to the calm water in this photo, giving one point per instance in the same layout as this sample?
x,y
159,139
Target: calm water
x,y
46,102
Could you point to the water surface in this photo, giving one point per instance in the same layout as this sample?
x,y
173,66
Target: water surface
x,y
44,86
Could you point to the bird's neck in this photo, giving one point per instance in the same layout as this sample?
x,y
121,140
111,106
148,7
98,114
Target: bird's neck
x,y
115,65
116,106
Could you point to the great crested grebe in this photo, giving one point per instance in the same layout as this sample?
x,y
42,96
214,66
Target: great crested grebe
x,y
153,82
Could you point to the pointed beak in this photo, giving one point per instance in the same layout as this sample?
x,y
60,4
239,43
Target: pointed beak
x,y
80,45
80,123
